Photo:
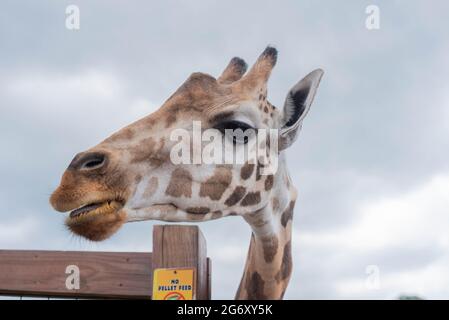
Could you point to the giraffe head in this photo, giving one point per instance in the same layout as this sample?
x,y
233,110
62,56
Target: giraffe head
x,y
131,175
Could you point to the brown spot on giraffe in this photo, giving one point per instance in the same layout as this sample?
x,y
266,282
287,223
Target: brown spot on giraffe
x,y
149,150
236,196
255,287
287,265
287,215
198,210
215,186
158,159
180,183
247,170
252,198
269,180
270,247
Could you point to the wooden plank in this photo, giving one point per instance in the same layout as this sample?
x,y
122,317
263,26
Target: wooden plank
x,y
102,274
176,246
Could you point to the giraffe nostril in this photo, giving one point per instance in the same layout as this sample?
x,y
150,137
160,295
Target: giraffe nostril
x,y
88,161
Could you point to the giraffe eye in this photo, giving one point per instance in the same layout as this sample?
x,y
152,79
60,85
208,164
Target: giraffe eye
x,y
238,131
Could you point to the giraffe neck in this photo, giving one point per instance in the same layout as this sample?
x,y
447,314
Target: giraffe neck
x,y
269,261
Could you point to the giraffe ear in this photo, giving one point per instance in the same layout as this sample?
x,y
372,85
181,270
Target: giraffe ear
x,y
297,104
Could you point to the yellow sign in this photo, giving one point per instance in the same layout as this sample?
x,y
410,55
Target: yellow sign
x,y
173,284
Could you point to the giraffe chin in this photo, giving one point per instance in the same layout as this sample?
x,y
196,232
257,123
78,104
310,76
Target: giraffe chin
x,y
97,222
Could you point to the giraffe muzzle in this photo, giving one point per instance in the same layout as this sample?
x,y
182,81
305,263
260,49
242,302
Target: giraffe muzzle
x,y
97,221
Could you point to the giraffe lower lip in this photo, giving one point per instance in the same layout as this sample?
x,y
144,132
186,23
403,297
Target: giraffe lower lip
x,y
92,209
80,211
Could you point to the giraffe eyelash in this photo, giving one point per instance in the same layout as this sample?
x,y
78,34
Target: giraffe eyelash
x,y
234,125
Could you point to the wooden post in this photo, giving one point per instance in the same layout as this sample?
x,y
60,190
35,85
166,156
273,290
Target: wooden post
x,y
176,246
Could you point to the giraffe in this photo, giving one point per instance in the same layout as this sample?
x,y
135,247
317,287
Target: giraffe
x,y
130,176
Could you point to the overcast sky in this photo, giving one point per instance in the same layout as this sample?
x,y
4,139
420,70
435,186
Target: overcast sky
x,y
371,163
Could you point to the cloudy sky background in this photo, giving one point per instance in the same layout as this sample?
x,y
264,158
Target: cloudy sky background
x,y
371,164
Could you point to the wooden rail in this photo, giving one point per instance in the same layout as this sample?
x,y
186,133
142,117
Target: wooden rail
x,y
106,274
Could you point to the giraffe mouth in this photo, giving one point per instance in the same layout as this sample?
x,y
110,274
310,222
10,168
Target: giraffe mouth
x,y
92,210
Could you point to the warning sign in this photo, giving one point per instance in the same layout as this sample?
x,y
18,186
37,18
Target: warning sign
x,y
173,284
